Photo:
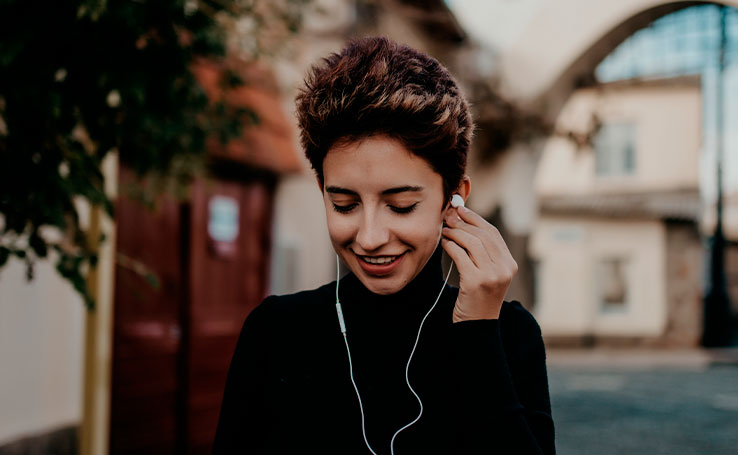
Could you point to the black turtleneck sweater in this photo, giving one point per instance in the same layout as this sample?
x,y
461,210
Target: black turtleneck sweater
x,y
483,383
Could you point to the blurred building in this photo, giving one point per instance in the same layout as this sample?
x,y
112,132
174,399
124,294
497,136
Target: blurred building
x,y
616,247
625,66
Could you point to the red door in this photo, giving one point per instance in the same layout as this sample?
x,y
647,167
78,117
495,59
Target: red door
x,y
226,283
187,274
147,328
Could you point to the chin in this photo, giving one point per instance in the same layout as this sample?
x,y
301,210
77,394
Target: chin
x,y
383,288
382,285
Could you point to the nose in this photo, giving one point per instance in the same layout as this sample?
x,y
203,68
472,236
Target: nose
x,y
373,233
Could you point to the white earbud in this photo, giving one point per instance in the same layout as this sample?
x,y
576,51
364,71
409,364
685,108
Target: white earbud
x,y
457,201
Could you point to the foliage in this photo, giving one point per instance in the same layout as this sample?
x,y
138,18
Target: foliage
x,y
80,79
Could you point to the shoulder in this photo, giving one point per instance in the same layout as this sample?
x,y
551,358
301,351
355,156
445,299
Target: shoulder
x,y
303,299
279,320
513,313
294,306
520,331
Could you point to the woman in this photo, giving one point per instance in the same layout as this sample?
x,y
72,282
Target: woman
x,y
387,132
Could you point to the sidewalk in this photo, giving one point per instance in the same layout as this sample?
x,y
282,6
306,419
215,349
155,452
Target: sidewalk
x,y
646,358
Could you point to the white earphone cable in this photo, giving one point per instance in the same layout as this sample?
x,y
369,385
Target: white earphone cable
x,y
407,367
356,388
342,324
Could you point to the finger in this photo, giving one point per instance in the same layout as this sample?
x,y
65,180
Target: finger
x,y
471,217
459,256
492,240
487,231
468,269
472,244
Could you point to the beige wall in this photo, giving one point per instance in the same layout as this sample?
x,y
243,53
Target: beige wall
x,y
43,341
303,257
568,249
667,121
508,184
41,351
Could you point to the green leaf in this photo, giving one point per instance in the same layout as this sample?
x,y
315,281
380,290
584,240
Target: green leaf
x,y
38,244
67,101
4,254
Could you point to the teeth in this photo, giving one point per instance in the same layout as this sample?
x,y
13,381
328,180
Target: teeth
x,y
385,260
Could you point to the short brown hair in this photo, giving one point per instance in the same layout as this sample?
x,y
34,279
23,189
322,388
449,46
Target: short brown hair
x,y
377,86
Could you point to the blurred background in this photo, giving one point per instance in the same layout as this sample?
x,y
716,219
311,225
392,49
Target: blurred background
x,y
153,191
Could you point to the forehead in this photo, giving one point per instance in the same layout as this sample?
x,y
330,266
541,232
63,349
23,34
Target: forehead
x,y
375,163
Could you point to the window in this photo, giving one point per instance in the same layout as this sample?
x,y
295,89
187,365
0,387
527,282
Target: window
x,y
615,149
612,284
683,42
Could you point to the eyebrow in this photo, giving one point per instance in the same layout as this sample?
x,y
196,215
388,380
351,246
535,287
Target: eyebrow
x,y
396,190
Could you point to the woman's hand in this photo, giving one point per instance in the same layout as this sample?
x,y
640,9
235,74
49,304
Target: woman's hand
x,y
486,267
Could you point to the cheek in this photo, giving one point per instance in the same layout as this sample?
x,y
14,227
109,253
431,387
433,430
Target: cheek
x,y
340,228
421,229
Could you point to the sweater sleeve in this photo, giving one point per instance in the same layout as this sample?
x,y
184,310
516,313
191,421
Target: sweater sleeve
x,y
503,387
241,426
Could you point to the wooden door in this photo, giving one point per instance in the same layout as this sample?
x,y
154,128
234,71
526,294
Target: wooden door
x,y
226,283
147,331
180,300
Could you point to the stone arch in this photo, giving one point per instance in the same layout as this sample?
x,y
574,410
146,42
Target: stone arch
x,y
568,58
581,71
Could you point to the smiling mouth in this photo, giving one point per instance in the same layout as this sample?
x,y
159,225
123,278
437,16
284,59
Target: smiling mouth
x,y
380,260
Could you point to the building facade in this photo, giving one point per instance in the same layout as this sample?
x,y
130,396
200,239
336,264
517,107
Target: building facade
x,y
617,214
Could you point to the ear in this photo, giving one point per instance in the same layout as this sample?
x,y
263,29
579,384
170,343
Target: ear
x,y
462,190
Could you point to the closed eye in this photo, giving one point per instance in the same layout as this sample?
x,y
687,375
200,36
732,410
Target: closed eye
x,y
350,207
407,209
343,208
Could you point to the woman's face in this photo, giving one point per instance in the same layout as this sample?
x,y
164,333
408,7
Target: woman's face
x,y
384,210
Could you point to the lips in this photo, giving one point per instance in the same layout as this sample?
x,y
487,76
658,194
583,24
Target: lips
x,y
380,260
383,268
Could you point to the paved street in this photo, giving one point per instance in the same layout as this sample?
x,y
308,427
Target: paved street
x,y
624,406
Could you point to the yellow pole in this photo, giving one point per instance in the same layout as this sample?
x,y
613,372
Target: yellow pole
x,y
95,429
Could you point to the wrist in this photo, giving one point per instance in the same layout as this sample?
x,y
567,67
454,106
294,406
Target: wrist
x,y
460,316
